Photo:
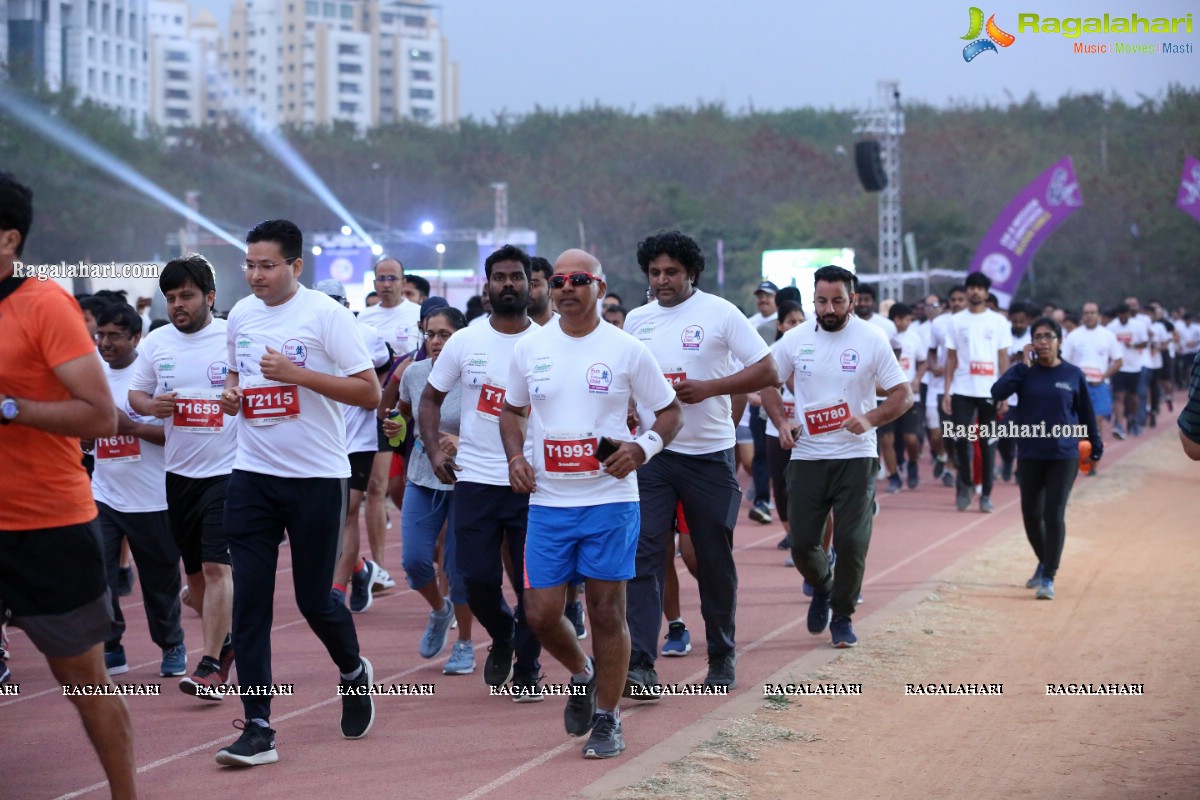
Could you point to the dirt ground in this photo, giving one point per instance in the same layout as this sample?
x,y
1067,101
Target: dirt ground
x,y
1126,612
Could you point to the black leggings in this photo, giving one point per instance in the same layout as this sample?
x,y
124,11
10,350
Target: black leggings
x,y
1045,487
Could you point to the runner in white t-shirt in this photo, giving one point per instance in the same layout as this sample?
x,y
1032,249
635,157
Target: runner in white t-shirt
x,y
695,338
1020,317
570,384
977,347
128,489
179,379
934,378
1134,338
394,317
912,355
834,364
488,514
295,357
1095,350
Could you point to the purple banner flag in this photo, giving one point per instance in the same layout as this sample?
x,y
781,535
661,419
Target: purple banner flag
x,y
1189,188
1023,226
720,263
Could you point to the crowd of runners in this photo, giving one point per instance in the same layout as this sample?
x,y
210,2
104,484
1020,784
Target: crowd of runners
x,y
557,438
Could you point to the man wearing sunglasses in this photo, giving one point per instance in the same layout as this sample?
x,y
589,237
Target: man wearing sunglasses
x,y
487,514
575,379
695,338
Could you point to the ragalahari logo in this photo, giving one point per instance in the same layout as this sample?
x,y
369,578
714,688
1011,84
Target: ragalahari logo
x,y
995,36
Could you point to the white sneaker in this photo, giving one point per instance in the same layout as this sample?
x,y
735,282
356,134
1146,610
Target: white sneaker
x,y
383,580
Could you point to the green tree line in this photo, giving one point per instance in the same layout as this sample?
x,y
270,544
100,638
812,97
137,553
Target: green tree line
x,y
605,178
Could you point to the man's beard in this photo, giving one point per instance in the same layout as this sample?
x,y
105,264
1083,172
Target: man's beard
x,y
832,322
509,304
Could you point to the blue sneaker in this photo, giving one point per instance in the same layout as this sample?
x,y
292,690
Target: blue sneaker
x,y
819,612
679,640
1046,590
362,587
114,661
436,631
174,661
842,632
462,659
805,587
575,614
339,597
1036,581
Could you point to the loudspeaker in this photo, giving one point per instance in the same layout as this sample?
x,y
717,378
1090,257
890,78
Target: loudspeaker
x,y
867,159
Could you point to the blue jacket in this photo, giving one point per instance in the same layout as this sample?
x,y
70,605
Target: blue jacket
x,y
1056,396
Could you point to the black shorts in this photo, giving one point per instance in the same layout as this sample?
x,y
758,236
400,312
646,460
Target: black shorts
x,y
1125,382
360,469
196,508
52,583
910,422
381,439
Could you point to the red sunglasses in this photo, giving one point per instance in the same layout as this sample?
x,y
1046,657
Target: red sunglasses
x,y
576,278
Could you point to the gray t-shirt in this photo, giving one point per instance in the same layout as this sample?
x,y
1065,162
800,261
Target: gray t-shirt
x,y
412,385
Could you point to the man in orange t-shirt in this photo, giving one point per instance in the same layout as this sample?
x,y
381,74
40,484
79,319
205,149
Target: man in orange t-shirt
x,y
52,393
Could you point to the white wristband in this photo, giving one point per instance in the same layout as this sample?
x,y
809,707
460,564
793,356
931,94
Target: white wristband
x,y
651,444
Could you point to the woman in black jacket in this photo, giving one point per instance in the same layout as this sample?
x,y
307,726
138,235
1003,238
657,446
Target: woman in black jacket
x,y
1054,402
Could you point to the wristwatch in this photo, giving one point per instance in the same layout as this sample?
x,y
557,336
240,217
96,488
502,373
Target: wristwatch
x,y
8,410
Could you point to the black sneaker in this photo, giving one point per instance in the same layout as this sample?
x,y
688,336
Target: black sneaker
x,y
914,475
606,740
575,615
206,682
577,716
358,710
255,746
819,611
1006,471
761,513
527,687
962,500
641,683
783,544
720,670
894,484
948,479
939,467
498,668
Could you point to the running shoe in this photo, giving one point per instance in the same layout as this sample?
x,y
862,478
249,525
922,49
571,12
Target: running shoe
x,y
462,659
358,710
783,544
760,512
721,670
914,475
606,740
679,640
1119,431
1036,580
114,661
362,584
939,466
963,500
339,597
842,632
174,661
641,683
527,687
819,611
206,681
5,673
985,504
1006,470
498,668
383,581
576,615
433,642
254,747
894,484
1046,589
947,479
581,708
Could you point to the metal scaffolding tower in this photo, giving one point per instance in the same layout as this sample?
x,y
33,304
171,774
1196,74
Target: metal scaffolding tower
x,y
885,121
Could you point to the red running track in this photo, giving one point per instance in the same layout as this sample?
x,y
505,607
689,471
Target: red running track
x,y
461,743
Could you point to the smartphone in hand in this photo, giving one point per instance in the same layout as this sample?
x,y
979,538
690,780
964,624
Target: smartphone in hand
x,y
606,448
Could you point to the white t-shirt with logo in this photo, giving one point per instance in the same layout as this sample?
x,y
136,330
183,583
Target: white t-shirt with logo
x,y
1160,337
131,473
698,339
578,390
912,352
478,359
398,325
193,365
977,338
295,432
1092,350
362,433
939,329
1189,338
834,376
789,404
1128,334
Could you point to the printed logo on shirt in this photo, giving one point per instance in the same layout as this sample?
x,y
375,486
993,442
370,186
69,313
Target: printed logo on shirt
x,y
295,351
166,366
807,350
599,378
243,343
646,329
537,393
477,361
849,360
692,336
805,371
1066,387
216,373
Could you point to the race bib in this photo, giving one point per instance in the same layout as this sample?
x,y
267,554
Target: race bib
x,y
198,411
571,455
1125,338
984,369
114,449
789,410
270,403
675,375
825,416
905,363
1093,375
491,400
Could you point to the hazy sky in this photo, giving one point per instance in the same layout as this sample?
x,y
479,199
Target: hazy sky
x,y
515,55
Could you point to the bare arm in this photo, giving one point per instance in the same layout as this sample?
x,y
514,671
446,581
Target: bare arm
x,y
154,434
514,421
1191,449
899,400
749,379
772,403
89,413
949,369
429,413
668,420
360,389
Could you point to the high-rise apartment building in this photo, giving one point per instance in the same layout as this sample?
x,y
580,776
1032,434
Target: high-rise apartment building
x,y
184,64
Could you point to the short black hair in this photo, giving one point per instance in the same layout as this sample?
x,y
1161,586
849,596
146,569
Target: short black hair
x,y
675,244
788,294
620,309
192,268
419,282
111,296
958,289
1121,308
283,232
979,279
867,288
991,298
452,315
899,310
614,295
16,207
1074,320
122,315
93,304
1019,308
542,265
508,253
371,294
1047,322
156,324
831,274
